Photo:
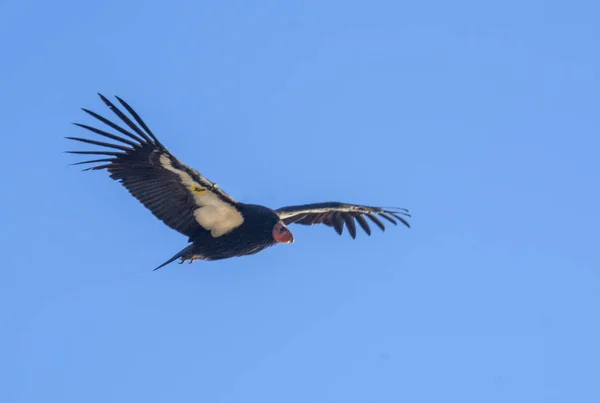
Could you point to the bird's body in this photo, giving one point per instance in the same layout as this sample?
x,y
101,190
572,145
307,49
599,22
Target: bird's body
x,y
217,226
254,235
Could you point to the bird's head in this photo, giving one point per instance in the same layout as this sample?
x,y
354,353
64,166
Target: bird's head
x,y
262,222
282,234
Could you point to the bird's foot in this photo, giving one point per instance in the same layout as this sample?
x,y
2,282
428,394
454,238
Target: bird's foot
x,y
191,259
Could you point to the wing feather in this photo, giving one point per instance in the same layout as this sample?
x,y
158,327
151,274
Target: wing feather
x,y
363,224
376,220
112,125
338,223
387,217
99,143
106,134
400,218
350,224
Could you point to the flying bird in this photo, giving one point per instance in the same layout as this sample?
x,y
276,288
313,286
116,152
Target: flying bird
x,y
217,226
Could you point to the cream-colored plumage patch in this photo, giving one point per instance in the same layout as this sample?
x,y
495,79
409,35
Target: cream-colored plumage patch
x,y
212,213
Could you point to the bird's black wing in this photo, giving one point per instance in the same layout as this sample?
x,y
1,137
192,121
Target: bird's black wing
x,y
176,194
336,215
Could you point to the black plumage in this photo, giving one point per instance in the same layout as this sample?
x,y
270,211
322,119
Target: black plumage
x,y
217,226
335,215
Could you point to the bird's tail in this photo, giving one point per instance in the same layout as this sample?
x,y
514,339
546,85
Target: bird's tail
x,y
182,253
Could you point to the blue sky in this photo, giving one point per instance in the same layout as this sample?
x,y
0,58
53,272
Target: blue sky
x,y
481,118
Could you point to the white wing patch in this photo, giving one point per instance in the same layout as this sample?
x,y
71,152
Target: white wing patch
x,y
213,214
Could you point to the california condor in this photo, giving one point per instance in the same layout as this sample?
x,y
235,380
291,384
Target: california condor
x,y
218,226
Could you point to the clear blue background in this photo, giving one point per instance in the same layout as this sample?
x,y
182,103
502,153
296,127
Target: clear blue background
x,y
482,118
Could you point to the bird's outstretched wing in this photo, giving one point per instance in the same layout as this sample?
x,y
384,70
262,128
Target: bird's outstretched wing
x,y
176,194
334,214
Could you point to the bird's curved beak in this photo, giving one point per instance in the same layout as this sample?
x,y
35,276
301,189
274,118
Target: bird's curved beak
x,y
282,234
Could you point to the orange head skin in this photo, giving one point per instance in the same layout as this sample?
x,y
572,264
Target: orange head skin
x,y
282,234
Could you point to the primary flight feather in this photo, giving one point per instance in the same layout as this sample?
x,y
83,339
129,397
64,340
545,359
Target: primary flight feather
x,y
217,225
